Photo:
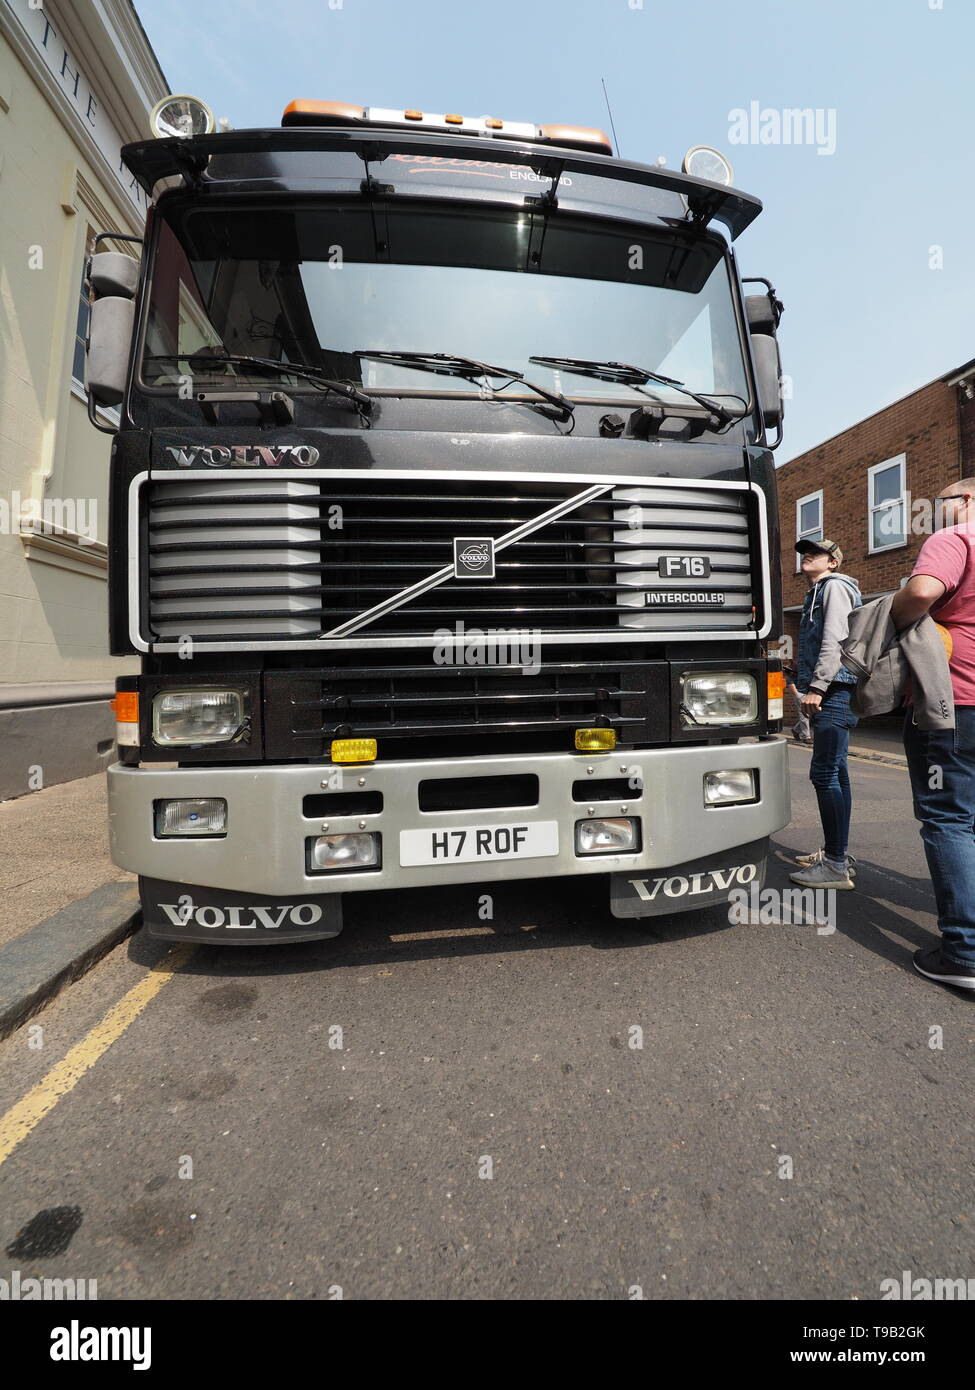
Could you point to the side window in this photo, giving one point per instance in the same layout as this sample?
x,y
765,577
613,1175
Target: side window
x,y
809,519
886,504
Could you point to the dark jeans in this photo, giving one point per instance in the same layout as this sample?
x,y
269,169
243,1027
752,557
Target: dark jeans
x,y
828,773
942,767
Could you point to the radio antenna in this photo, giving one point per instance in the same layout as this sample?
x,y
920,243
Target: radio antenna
x,y
612,124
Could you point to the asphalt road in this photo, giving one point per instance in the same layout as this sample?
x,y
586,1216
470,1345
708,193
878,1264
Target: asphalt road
x,y
472,1048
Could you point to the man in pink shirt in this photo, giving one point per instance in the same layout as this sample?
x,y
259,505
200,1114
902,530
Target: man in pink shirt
x,y
942,764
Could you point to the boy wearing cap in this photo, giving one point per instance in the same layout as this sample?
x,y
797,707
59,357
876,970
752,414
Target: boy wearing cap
x,y
825,686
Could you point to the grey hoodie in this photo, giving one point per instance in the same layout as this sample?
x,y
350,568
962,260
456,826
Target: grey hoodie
x,y
823,625
882,659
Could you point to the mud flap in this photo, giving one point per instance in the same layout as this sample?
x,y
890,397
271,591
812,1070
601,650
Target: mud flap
x,y
186,912
695,884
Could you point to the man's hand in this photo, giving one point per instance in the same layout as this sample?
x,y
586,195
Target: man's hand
x,y
810,703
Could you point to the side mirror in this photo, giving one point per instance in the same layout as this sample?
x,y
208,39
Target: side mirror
x,y
760,314
114,273
109,344
765,351
113,278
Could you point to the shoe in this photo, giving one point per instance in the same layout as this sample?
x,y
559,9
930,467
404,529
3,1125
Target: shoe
x,y
818,856
933,966
820,875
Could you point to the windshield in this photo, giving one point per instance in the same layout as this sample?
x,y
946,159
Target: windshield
x,y
317,285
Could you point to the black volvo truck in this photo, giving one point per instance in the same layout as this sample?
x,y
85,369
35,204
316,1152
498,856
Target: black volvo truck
x,y
443,519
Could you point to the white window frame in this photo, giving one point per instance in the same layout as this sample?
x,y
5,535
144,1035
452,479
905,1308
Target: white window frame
x,y
872,507
800,535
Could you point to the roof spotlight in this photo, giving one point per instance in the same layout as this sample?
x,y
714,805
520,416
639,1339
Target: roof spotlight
x,y
702,162
181,115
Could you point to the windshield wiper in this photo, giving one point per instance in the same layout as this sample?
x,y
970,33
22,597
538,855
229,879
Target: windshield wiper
x,y
308,371
623,374
449,365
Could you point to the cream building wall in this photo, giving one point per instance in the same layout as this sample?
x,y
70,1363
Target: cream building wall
x,y
77,80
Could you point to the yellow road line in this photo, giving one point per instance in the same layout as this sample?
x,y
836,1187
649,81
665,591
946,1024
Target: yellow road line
x,y
41,1099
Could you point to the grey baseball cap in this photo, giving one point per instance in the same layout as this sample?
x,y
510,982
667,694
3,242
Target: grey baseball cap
x,y
827,547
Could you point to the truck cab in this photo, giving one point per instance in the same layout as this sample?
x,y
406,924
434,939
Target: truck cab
x,y
443,521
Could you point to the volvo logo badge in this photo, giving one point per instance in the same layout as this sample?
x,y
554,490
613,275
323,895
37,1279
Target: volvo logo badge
x,y
243,455
473,557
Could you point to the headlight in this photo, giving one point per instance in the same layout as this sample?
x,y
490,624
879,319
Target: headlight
x,y
615,835
719,697
197,716
724,788
351,851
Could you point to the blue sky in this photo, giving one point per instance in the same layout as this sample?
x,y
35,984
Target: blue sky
x,y
846,236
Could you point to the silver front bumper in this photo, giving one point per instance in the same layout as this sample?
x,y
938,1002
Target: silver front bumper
x,y
264,849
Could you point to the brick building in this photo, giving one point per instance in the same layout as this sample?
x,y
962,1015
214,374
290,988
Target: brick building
x,y
872,487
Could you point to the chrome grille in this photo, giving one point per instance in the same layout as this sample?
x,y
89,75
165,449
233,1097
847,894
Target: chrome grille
x,y
701,523
264,559
225,559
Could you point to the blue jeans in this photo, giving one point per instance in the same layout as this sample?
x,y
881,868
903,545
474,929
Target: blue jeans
x,y
946,811
828,773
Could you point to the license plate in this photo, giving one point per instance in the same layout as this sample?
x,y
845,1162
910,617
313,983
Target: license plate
x,y
482,844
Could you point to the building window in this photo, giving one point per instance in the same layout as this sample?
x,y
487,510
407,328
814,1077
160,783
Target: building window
x,y
886,504
81,326
809,520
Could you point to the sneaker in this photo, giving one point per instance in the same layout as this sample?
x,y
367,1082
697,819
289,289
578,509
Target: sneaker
x,y
818,856
820,875
933,965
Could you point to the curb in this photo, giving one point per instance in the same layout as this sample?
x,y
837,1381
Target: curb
x,y
890,759
35,967
866,754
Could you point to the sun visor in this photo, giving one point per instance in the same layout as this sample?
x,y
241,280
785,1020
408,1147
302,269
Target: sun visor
x,y
403,164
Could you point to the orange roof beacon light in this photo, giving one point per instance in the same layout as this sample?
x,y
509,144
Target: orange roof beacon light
x,y
307,112
575,137
310,112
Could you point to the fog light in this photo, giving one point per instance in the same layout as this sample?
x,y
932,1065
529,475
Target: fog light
x,y
723,788
202,815
595,740
197,716
352,851
606,836
353,750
